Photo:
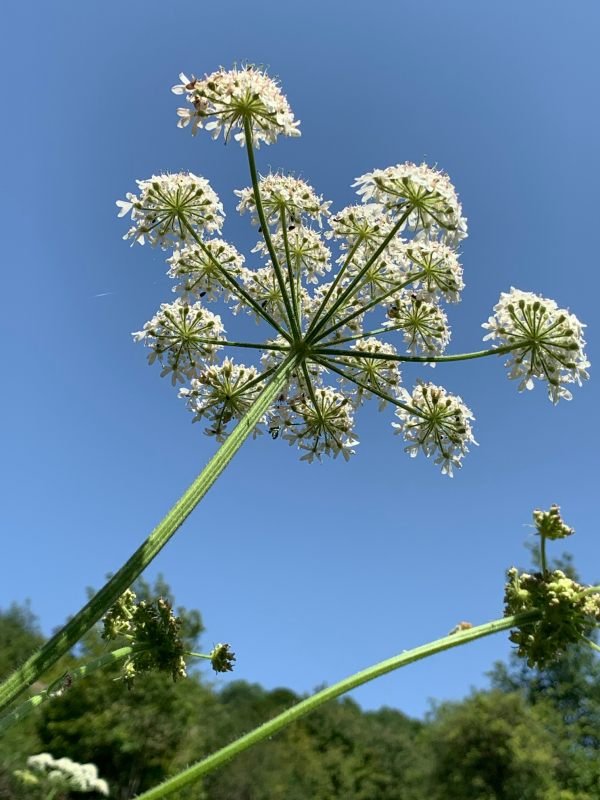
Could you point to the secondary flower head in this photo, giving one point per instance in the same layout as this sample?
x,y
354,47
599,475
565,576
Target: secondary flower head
x,y
426,194
222,393
308,255
201,267
283,194
439,268
357,225
225,99
436,423
182,337
168,206
372,375
546,342
424,324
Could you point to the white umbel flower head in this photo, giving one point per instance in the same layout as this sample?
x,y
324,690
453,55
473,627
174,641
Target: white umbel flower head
x,y
167,204
356,225
376,373
68,775
177,336
221,393
428,194
283,193
223,100
309,255
199,274
323,427
424,324
548,341
439,264
436,423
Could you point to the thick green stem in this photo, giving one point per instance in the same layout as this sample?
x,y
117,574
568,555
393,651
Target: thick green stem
x,y
543,561
75,628
265,228
64,684
330,693
497,351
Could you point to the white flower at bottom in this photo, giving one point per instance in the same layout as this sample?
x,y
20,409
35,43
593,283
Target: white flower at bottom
x,y
438,424
548,341
220,393
321,428
176,337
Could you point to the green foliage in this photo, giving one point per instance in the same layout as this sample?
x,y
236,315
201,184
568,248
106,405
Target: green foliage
x,y
534,736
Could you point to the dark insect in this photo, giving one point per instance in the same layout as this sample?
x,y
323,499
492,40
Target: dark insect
x,y
274,431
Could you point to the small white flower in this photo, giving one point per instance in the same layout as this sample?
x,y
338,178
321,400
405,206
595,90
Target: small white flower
x,y
167,204
548,340
177,336
424,324
201,277
283,193
438,424
220,394
222,101
428,194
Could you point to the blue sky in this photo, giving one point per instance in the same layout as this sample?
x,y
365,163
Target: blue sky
x,y
333,566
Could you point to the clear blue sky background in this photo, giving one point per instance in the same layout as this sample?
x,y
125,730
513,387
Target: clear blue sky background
x,y
311,572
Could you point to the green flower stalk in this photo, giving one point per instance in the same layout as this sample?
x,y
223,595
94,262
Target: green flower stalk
x,y
397,267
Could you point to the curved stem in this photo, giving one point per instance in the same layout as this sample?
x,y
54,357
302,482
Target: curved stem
x,y
497,351
75,628
592,644
265,228
330,693
65,682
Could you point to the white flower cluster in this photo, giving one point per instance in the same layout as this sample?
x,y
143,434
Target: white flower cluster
x,y
283,194
223,100
547,342
436,423
396,267
62,773
182,338
168,206
426,195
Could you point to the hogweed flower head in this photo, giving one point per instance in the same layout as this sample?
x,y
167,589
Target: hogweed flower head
x,y
547,342
438,425
61,774
283,194
182,337
225,99
222,658
168,205
550,524
396,268
566,613
154,629
425,194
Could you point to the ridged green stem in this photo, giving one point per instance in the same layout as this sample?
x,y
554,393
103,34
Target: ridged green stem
x,y
330,693
68,679
75,628
496,351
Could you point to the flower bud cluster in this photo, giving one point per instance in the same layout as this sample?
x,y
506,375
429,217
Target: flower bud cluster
x,y
61,775
223,100
153,629
547,342
222,658
550,524
566,613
